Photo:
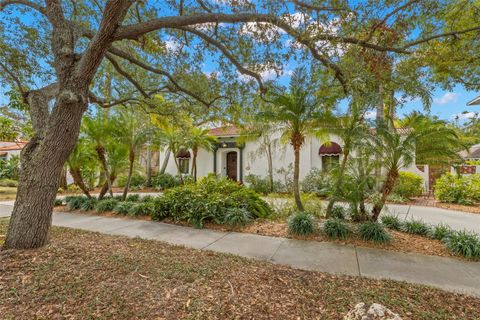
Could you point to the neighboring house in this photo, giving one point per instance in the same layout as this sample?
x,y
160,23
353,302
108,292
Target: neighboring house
x,y
471,158
9,148
233,160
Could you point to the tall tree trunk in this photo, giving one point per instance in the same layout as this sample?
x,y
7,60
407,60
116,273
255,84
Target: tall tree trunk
x,y
296,141
131,159
270,166
338,183
104,189
78,180
194,163
386,190
63,179
149,166
380,121
103,161
42,160
165,161
178,169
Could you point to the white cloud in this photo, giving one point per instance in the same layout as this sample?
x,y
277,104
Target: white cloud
x,y
172,45
464,115
446,98
370,114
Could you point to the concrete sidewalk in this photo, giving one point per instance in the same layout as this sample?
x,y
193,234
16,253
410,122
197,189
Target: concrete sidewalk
x,y
445,273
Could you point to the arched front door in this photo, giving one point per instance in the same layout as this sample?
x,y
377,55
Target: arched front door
x,y
232,165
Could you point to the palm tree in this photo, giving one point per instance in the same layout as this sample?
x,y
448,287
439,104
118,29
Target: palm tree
x,y
297,113
198,138
117,163
96,129
173,140
397,149
82,157
130,129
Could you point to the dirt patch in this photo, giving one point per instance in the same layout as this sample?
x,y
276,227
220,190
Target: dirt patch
x,y
85,275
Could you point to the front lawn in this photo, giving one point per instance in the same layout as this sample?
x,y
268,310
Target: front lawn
x,y
8,193
84,275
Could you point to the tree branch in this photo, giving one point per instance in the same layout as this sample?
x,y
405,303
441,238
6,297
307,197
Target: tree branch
x,y
119,69
104,103
441,35
310,6
14,78
227,54
5,3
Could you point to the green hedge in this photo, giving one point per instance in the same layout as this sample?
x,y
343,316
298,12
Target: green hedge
x,y
408,185
209,200
458,189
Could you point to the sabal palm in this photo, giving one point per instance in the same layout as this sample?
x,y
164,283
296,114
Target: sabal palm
x,y
199,138
132,130
297,114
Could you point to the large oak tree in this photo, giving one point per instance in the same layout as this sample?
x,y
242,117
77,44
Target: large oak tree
x,y
59,55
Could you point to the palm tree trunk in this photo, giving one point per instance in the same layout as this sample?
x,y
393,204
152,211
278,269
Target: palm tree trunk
x,y
78,180
270,166
165,161
104,189
149,166
296,178
63,179
178,169
131,158
338,183
194,163
386,190
103,160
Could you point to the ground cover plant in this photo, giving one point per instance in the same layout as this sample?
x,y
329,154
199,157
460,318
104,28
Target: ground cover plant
x,y
464,243
301,223
336,229
178,283
374,231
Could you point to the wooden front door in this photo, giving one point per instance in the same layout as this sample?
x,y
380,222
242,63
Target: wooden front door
x,y
232,165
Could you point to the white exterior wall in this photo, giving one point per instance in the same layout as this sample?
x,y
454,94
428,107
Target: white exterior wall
x,y
255,161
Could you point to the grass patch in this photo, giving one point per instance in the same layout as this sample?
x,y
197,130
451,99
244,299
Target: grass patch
x,y
8,193
87,275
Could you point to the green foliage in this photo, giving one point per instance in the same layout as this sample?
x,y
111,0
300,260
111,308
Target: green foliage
x,y
301,223
392,222
141,209
136,182
373,231
440,232
395,198
147,198
317,182
415,227
339,212
74,202
336,229
164,181
464,243
408,185
458,189
10,169
133,197
106,205
8,183
237,217
209,200
58,202
124,207
88,204
261,185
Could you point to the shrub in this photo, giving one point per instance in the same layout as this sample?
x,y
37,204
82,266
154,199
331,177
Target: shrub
x,y
336,229
141,209
8,183
164,181
209,199
137,181
58,202
408,185
74,202
10,169
301,224
374,231
237,217
317,182
396,198
147,198
261,185
440,232
416,227
464,243
106,205
133,197
88,204
124,207
392,222
338,212
455,189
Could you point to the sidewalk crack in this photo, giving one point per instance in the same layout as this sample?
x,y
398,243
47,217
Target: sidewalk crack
x,y
276,250
208,245
358,263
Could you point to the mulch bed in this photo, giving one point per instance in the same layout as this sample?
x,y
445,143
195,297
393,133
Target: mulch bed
x,y
85,275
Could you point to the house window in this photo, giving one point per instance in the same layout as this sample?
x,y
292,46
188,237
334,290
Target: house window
x,y
183,165
330,162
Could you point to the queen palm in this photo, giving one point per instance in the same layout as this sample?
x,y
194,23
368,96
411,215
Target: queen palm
x,y
297,113
131,129
198,138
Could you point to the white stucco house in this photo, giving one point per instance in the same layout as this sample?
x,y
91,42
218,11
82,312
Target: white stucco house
x,y
10,148
235,161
